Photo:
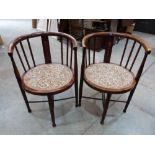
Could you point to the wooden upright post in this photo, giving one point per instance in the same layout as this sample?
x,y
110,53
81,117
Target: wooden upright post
x,y
1,41
34,23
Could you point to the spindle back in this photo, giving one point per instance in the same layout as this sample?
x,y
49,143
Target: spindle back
x,y
129,50
30,50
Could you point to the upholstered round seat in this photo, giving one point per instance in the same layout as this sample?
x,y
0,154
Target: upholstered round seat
x,y
109,77
48,78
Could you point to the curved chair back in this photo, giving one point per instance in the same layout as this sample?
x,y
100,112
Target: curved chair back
x,y
29,51
38,48
129,49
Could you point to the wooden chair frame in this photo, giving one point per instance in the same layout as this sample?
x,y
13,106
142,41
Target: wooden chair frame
x,y
109,43
71,46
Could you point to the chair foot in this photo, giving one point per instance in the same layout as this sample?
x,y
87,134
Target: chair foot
x,y
76,105
80,101
54,125
81,87
25,99
29,110
51,106
102,122
124,110
105,108
129,99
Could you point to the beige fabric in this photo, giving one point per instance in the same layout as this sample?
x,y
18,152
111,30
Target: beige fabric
x,y
109,76
48,77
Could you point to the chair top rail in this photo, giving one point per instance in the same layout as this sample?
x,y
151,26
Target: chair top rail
x,y
39,34
125,35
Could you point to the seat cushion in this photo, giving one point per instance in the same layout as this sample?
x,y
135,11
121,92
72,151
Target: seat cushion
x,y
47,78
109,77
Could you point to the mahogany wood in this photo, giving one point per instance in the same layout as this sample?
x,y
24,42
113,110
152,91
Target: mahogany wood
x,y
25,61
109,38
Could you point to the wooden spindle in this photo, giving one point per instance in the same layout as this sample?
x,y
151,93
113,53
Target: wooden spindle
x,y
124,51
89,51
67,52
61,40
94,47
31,52
25,55
86,57
108,48
135,57
71,55
130,54
20,58
46,49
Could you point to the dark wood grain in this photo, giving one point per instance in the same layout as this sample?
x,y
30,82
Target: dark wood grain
x,y
44,37
109,38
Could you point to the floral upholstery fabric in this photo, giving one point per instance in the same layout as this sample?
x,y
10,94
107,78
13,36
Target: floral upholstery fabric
x,y
48,77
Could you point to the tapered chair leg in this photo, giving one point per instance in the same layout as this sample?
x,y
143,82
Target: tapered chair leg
x,y
76,93
25,99
51,106
129,99
80,90
103,99
106,105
